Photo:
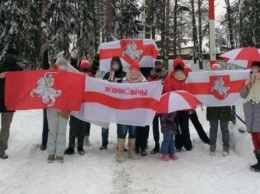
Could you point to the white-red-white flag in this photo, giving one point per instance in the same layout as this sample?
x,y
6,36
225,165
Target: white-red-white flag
x,y
144,51
217,88
121,103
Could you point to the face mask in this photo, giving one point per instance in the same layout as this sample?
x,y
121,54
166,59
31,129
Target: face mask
x,y
115,67
158,70
255,70
62,67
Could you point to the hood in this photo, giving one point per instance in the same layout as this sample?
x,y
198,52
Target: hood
x,y
118,60
10,62
178,62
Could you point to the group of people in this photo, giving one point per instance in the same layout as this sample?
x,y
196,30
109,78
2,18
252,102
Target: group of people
x,y
174,126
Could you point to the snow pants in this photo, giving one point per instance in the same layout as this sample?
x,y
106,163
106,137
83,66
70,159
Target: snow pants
x,y
78,129
214,132
57,132
45,129
142,134
256,140
156,133
6,120
182,139
201,132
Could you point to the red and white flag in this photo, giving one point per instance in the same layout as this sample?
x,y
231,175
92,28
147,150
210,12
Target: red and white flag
x,y
44,89
217,88
121,103
144,51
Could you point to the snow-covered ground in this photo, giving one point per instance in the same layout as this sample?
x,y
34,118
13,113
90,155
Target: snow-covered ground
x,y
27,172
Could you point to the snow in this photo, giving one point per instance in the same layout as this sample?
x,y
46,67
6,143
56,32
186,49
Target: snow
x,y
27,172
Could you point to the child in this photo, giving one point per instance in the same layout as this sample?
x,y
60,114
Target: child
x,y
216,115
169,129
251,92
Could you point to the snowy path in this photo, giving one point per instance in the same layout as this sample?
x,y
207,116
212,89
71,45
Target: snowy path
x,y
26,171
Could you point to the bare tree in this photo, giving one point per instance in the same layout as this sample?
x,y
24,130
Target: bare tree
x,y
230,25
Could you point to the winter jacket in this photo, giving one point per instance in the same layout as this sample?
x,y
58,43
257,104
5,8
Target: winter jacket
x,y
119,75
171,82
168,124
252,113
8,65
95,65
219,113
45,62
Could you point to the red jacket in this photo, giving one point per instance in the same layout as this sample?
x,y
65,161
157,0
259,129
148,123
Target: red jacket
x,y
171,83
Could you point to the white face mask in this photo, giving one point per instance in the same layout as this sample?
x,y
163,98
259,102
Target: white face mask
x,y
115,67
62,67
255,70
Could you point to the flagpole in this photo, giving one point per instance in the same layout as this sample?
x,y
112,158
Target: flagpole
x,y
212,35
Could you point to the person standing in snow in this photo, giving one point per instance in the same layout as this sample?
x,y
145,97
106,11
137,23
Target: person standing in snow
x,y
79,128
176,81
57,120
117,75
45,65
158,73
251,92
216,115
134,75
169,129
9,64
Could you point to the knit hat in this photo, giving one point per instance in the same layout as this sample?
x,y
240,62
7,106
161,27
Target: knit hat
x,y
135,65
84,64
216,66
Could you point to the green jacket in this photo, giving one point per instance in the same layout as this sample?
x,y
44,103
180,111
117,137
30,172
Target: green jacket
x,y
219,113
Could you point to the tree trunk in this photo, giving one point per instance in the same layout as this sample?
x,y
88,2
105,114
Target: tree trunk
x,y
148,19
230,26
194,31
167,22
200,35
28,22
175,29
109,20
163,31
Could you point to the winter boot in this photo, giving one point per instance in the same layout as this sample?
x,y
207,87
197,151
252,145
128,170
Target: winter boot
x,y
51,159
81,150
131,149
87,142
103,147
60,159
3,156
165,158
69,151
212,150
156,149
173,157
225,151
120,150
143,153
256,167
43,147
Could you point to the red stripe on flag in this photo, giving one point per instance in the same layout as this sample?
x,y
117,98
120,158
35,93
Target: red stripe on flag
x,y
205,88
108,53
121,104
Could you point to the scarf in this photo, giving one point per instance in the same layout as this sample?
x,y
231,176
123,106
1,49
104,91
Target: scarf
x,y
179,76
134,76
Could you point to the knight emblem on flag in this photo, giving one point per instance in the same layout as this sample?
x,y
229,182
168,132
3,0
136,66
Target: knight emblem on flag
x,y
132,52
220,86
45,89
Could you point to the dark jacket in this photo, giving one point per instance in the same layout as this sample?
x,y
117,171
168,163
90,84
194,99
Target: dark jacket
x,y
45,62
168,124
219,113
8,65
119,74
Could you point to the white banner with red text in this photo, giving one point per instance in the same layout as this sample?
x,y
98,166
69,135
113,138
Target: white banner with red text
x,y
120,103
